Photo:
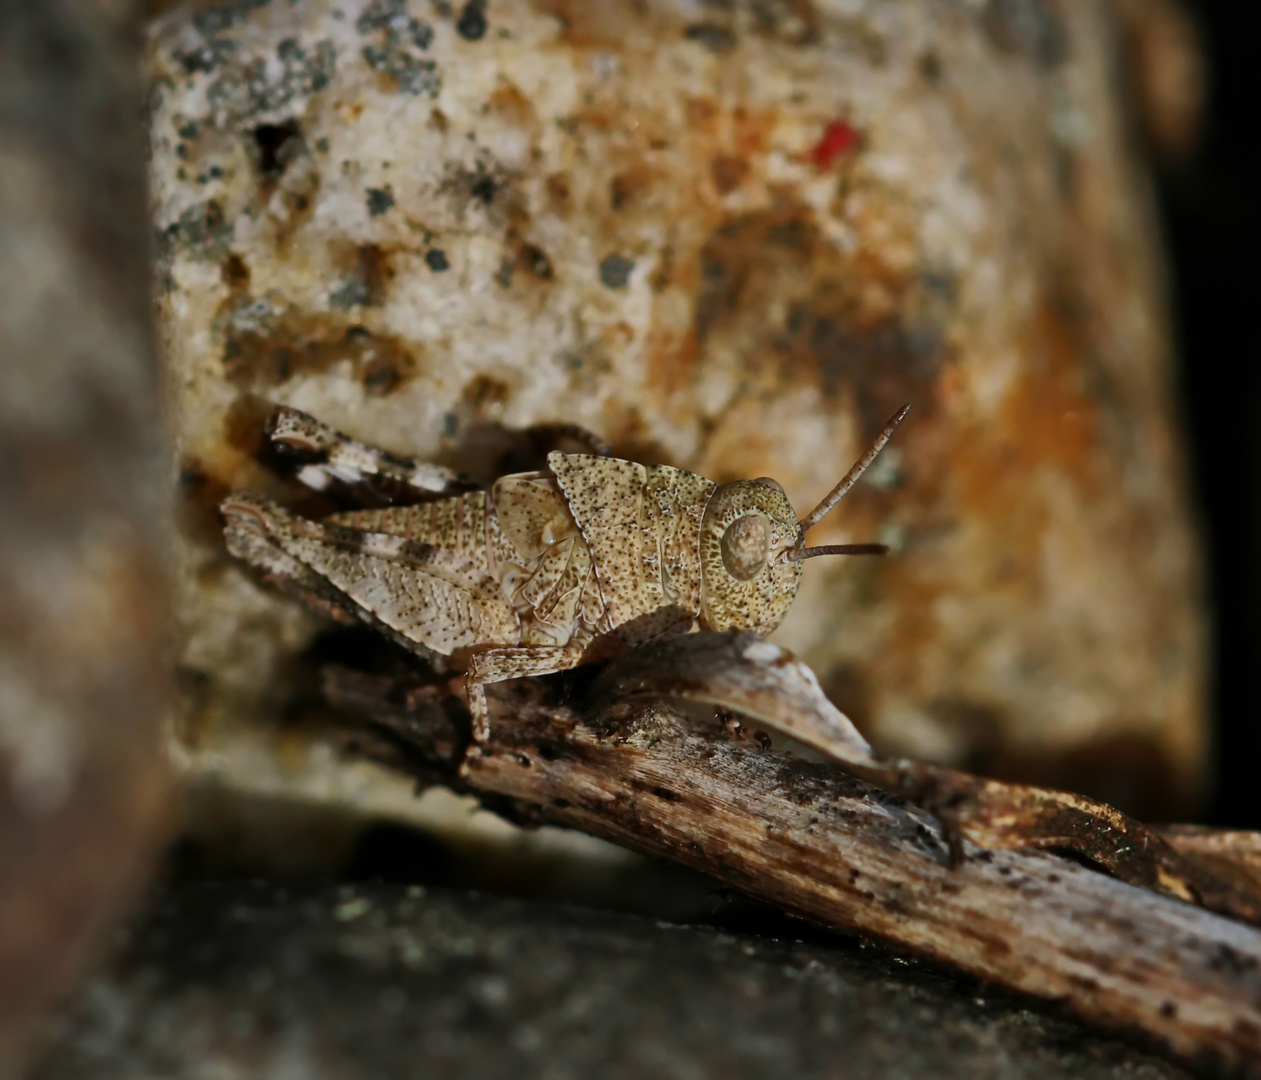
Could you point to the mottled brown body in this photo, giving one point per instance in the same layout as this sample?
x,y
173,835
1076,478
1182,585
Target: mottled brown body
x,y
540,573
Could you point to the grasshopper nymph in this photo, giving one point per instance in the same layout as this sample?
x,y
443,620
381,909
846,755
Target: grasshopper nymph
x,y
545,570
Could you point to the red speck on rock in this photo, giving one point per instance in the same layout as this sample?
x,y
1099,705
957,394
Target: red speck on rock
x,y
839,137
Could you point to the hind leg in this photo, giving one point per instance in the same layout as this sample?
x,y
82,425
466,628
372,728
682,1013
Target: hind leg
x,y
350,471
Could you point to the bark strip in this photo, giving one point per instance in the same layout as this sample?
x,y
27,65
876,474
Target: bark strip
x,y
819,842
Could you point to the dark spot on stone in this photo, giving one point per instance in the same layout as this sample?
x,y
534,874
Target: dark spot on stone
x,y
561,804
202,230
481,186
394,54
213,21
235,274
666,794
275,145
392,17
484,189
1168,1010
380,200
436,260
558,191
483,391
411,74
794,22
1031,28
365,282
472,22
198,61
245,91
381,377
930,67
728,172
523,256
615,271
535,261
624,187
265,356
717,39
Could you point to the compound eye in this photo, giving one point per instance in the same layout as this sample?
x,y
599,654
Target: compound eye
x,y
745,545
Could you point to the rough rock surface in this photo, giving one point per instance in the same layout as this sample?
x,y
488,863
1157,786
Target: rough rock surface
x,y
732,237
84,502
390,982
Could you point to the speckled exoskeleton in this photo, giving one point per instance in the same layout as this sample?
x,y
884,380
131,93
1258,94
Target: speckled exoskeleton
x,y
545,570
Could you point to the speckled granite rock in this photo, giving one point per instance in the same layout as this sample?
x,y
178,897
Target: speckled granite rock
x,y
732,237
252,981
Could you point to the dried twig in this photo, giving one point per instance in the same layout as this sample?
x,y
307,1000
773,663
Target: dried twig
x,y
815,840
741,672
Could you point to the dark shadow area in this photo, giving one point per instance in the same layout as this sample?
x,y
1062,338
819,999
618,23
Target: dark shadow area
x,y
1213,230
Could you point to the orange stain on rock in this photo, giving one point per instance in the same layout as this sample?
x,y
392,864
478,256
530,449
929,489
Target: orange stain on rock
x,y
671,360
1046,421
610,24
508,101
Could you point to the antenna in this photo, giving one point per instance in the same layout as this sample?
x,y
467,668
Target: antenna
x,y
850,479
797,554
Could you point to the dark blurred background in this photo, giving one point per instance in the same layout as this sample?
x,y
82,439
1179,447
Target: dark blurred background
x,y
1213,228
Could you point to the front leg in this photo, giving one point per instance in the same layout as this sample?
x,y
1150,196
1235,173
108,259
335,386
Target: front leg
x,y
517,662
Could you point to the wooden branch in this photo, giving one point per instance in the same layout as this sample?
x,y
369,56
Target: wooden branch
x,y
823,844
742,672
1233,854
